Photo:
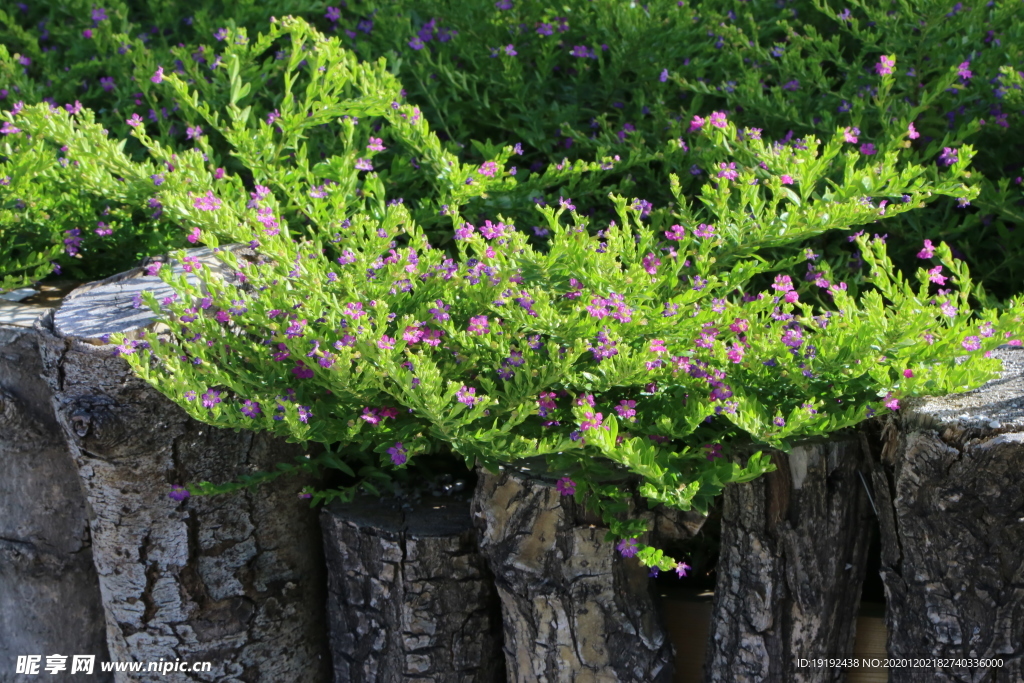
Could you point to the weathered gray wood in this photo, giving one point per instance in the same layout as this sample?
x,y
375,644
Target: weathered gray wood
x,y
573,608
791,565
410,596
948,485
236,580
49,591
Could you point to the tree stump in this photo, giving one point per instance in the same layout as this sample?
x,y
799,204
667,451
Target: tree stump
x,y
236,580
574,610
410,596
791,566
49,591
948,486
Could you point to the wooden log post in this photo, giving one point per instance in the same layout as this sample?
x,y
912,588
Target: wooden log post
x,y
573,608
49,591
235,580
948,484
410,596
791,566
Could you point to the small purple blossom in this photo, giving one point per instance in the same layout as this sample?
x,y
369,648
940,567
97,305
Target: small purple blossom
x,y
627,547
178,493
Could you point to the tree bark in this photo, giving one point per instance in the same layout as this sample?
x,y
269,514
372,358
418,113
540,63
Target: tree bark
x,y
410,596
236,580
574,610
791,566
49,591
947,482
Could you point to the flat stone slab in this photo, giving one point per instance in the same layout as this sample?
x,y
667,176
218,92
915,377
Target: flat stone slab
x,y
998,405
96,310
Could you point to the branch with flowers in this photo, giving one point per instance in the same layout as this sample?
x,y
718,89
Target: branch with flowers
x,y
628,351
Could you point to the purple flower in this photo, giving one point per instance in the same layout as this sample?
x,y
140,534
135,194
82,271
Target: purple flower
x,y
949,156
566,486
251,409
178,493
158,76
304,413
398,454
467,395
627,547
682,568
211,398
363,165
868,149
194,132
962,71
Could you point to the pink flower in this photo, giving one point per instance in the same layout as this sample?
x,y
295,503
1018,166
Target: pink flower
x,y
207,202
891,403
884,66
704,230
971,343
908,373
928,250
194,236
786,179
912,132
936,277
676,233
850,135
135,121
593,421
658,346
717,119
479,325
158,76
651,263
386,342
488,168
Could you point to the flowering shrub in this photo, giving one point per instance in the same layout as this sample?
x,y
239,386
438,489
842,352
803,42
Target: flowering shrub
x,y
641,349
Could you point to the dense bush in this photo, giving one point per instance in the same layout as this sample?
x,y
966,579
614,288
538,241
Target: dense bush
x,y
588,81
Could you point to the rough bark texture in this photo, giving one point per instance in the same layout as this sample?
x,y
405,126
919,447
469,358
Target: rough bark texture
x,y
791,566
49,592
574,610
948,485
410,596
236,580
